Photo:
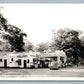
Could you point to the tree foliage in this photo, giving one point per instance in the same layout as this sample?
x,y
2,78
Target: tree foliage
x,y
68,41
5,46
28,46
13,34
15,38
42,47
3,23
82,46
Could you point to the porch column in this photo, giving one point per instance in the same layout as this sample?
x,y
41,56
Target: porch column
x,y
64,59
58,59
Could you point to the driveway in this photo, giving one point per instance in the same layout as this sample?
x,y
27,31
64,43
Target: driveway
x,y
43,72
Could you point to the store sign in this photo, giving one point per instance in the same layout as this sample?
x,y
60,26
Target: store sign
x,y
23,56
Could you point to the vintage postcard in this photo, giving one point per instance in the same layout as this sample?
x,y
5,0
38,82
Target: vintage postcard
x,y
41,41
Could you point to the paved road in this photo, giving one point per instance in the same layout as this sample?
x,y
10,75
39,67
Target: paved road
x,y
44,72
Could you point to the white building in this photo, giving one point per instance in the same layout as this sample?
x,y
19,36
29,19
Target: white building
x,y
29,59
22,60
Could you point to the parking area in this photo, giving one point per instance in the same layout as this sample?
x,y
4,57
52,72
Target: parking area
x,y
41,72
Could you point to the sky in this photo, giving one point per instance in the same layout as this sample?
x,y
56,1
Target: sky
x,y
38,20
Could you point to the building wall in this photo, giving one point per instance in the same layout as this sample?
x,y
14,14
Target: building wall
x,y
12,59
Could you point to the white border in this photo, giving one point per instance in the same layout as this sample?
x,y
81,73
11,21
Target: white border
x,y
45,79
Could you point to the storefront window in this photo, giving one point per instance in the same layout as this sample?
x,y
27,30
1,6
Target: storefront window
x,y
28,61
19,61
35,60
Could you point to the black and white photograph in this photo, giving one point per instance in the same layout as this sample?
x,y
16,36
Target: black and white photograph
x,y
41,41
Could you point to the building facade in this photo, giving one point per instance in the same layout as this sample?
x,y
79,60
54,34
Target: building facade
x,y
22,60
32,59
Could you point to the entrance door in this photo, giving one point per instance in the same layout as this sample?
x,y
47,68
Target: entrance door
x,y
5,63
25,64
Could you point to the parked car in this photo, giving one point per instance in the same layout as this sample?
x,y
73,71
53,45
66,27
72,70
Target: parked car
x,y
55,65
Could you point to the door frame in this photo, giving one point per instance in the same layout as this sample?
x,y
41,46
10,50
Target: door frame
x,y
5,63
25,63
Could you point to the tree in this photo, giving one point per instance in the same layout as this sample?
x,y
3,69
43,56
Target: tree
x,y
13,34
82,46
5,46
68,41
28,46
3,23
15,38
42,47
